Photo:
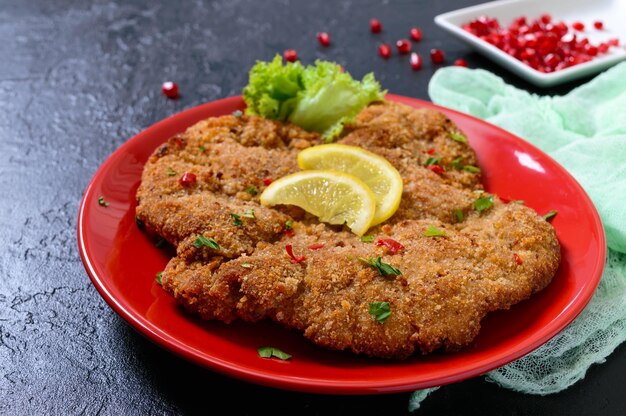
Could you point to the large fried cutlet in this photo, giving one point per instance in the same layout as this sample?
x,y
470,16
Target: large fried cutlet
x,y
486,261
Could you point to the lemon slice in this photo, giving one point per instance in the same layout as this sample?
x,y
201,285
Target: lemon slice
x,y
382,178
334,197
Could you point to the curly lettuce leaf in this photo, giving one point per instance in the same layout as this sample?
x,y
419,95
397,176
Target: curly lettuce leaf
x,y
318,98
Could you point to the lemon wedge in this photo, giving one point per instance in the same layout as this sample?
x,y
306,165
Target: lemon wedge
x,y
334,197
378,174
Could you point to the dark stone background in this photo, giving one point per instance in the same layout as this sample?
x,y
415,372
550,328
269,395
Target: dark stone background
x,y
77,79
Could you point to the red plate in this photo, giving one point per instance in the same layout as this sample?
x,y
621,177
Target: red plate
x,y
122,263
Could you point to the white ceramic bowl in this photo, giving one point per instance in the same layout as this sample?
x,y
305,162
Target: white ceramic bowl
x,y
611,12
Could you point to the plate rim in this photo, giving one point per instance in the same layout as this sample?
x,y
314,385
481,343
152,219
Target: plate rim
x,y
320,386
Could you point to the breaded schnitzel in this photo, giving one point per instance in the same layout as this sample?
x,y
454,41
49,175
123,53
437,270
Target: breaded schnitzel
x,y
488,258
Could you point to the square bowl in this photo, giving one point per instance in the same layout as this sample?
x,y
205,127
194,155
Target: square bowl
x,y
610,12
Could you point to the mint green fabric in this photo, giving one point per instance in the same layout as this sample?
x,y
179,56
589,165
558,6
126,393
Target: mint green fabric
x,y
585,131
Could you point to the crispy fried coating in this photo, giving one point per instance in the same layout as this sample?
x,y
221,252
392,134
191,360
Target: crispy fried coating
x,y
486,260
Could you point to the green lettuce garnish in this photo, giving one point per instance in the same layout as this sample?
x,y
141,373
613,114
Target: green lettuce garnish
x,y
318,97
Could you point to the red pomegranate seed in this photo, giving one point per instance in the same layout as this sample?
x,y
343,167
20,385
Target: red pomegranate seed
x,y
375,26
598,25
546,18
613,42
416,34
289,233
323,38
431,151
404,46
517,258
391,244
603,48
170,89
437,56
267,181
416,61
290,55
188,179
384,50
460,62
578,26
316,246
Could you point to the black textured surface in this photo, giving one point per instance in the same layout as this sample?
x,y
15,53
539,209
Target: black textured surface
x,y
78,79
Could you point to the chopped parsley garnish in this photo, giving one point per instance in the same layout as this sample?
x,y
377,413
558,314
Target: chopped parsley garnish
x,y
288,224
246,265
252,190
432,161
237,113
139,223
269,352
102,202
456,163
202,148
384,269
458,137
483,203
208,242
548,217
159,275
160,242
380,310
249,213
170,172
236,220
434,232
471,168
367,239
459,215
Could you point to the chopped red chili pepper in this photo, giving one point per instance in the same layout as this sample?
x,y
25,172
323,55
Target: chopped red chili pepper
x,y
294,259
316,246
431,151
436,168
517,258
391,244
188,179
289,233
267,181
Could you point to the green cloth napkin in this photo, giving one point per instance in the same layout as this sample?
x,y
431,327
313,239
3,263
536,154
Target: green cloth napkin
x,y
585,131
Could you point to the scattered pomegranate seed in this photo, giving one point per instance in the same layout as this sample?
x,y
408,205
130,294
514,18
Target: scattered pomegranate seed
x,y
294,259
316,246
546,18
598,25
460,62
613,42
517,258
267,181
431,151
416,34
289,233
578,26
437,56
416,62
390,243
375,26
290,55
188,179
384,50
403,46
323,38
170,89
